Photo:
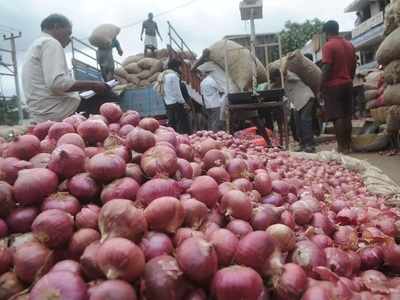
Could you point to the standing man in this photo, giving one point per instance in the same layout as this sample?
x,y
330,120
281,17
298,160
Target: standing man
x,y
49,88
105,59
339,65
150,29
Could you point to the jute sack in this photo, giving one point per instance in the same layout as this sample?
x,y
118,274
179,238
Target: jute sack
x,y
308,72
157,67
133,68
392,72
145,74
103,35
389,50
370,95
372,80
121,80
370,142
121,72
133,79
162,53
154,77
392,17
393,119
147,63
392,95
132,59
144,82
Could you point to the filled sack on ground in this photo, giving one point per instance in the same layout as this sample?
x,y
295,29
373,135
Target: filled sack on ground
x,y
121,72
370,142
103,35
121,80
393,119
392,17
308,72
392,95
389,50
154,77
133,79
373,80
147,63
392,72
371,95
144,83
133,68
145,74
380,114
132,59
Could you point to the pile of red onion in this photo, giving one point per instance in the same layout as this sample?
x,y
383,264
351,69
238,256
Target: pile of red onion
x,y
120,207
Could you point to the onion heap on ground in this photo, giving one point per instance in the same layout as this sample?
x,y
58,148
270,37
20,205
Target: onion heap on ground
x,y
119,207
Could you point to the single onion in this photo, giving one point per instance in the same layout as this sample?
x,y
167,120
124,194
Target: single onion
x,y
239,228
185,169
88,261
226,187
112,290
32,260
346,237
237,282
225,244
206,146
125,130
308,256
53,228
106,167
73,139
292,283
301,212
125,188
281,187
264,216
391,255
273,199
9,168
322,222
130,117
7,203
159,161
338,205
195,212
183,234
65,285
371,257
75,120
243,184
168,136
283,236
41,130
58,129
165,214
67,160
135,172
197,259
88,217
157,188
322,240
40,160
10,285
149,124
288,219
62,201
68,266
219,174
237,204
120,258
83,187
93,131
338,261
185,151
237,168
156,244
111,111
20,219
120,218
33,185
140,140
23,147
48,145
80,240
205,189
213,158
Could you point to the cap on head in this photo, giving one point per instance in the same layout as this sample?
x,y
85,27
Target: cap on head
x,y
55,20
331,28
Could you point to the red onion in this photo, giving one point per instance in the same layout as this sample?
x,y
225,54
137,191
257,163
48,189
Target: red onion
x,y
40,160
254,250
308,256
198,294
183,234
347,216
33,185
225,244
68,266
73,139
20,219
106,167
93,131
120,218
195,212
98,118
322,222
206,146
312,203
67,160
243,184
302,214
185,151
163,274
83,187
41,130
219,174
292,283
58,129
159,161
130,117
213,158
280,187
209,228
185,169
239,228
273,199
157,188
149,124
32,260
62,201
317,292
135,172
3,229
323,241
120,258
111,111
65,285
226,187
112,290
387,226
346,237
391,254
355,261
7,203
237,168
6,258
88,217
75,120
10,285
156,244
283,237
166,136
23,147
125,188
237,282
48,145
371,257
338,205
264,216
205,189
165,214
197,171
237,204
338,261
92,151
288,219
53,228
88,261
125,130
140,140
80,240
9,168
375,281
197,259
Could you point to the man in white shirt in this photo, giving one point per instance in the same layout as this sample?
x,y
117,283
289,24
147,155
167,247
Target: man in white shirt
x,y
173,98
212,95
49,88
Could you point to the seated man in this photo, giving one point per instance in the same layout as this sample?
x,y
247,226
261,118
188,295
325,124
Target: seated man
x,y
49,88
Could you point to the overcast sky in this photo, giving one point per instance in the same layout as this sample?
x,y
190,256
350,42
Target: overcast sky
x,y
200,23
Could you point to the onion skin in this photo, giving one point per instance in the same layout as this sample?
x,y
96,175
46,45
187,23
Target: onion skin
x,y
195,213
7,203
62,201
58,129
106,167
41,130
165,214
64,284
239,228
73,139
93,131
225,244
183,234
322,222
338,261
140,140
291,283
197,259
111,111
23,147
88,262
283,237
157,188
112,290
237,204
346,237
10,285
308,255
160,161
83,187
80,240
237,282
124,188
53,227
68,266
149,124
88,217
33,185
32,260
48,145
120,218
120,258
156,244
205,189
20,220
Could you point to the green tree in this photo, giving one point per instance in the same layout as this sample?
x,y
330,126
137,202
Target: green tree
x,y
296,35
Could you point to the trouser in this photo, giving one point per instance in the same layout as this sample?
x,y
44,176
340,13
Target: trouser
x,y
304,124
214,123
178,118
